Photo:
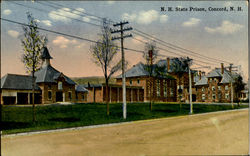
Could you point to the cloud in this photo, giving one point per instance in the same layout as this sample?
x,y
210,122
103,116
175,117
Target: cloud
x,y
191,22
46,22
63,42
13,33
163,18
225,28
228,4
129,17
86,19
7,11
145,17
63,13
110,2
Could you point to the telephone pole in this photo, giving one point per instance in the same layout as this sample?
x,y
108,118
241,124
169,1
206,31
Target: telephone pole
x,y
121,31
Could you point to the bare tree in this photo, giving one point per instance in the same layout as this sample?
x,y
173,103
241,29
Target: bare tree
x,y
104,52
150,56
32,43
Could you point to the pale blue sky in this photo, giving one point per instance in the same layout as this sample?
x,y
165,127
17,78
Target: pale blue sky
x,y
220,35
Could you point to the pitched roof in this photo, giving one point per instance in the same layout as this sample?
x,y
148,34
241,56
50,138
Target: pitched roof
x,y
215,73
45,53
136,71
14,81
80,88
50,74
202,81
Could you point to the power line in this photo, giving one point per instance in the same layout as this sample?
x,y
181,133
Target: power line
x,y
175,48
174,52
64,34
180,47
41,10
88,14
161,41
56,7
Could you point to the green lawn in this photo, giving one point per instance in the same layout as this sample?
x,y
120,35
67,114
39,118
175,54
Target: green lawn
x,y
19,119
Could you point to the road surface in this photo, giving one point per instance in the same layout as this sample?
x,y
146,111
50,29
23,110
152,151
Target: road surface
x,y
211,134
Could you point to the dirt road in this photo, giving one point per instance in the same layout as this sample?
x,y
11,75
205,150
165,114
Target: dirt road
x,y
212,134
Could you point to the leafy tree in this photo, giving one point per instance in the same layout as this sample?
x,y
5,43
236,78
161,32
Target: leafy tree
x,y
181,66
238,86
104,52
32,44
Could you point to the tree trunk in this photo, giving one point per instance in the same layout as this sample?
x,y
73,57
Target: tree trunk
x,y
107,96
33,96
150,94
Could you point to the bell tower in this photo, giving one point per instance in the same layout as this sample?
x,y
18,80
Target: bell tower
x,y
45,57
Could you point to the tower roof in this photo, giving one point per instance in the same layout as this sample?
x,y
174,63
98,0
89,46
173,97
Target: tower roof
x,y
45,53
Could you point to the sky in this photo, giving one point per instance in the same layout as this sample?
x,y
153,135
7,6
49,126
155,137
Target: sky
x,y
215,34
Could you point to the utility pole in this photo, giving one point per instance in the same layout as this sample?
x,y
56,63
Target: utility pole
x,y
190,86
190,91
122,29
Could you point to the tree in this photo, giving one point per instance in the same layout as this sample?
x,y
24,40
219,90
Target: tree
x,y
150,56
181,66
32,44
104,52
238,86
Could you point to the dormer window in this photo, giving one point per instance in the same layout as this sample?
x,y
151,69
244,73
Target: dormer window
x,y
60,85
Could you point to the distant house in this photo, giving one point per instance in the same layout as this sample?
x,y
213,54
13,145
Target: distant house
x,y
51,86
216,86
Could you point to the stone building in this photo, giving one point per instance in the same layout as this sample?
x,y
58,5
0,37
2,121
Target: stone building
x,y
51,86
163,87
216,86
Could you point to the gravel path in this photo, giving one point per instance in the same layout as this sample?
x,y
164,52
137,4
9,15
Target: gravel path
x,y
211,134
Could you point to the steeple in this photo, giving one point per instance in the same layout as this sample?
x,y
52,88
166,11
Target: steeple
x,y
45,57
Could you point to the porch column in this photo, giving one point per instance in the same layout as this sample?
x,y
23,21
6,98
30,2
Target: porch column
x,y
117,94
28,98
109,93
138,95
131,92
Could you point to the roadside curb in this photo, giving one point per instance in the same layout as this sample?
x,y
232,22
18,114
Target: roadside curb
x,y
110,124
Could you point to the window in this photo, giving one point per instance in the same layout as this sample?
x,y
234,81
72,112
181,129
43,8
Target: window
x,y
171,92
60,85
213,88
165,88
83,97
49,86
203,97
131,82
76,96
219,96
219,87
138,81
203,89
70,95
227,96
49,94
158,89
226,87
214,96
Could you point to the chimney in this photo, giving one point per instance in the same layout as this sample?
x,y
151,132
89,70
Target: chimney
x,y
199,75
168,64
230,67
222,68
